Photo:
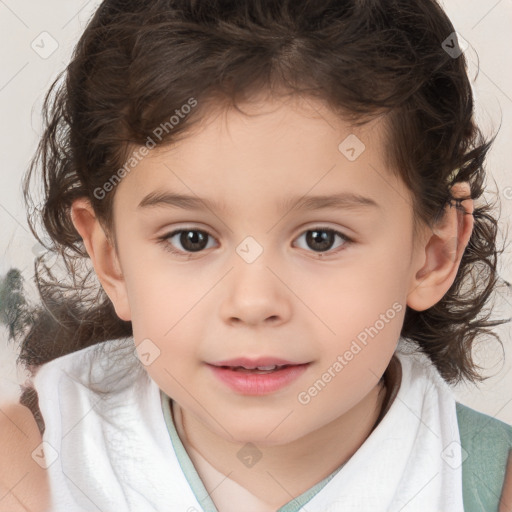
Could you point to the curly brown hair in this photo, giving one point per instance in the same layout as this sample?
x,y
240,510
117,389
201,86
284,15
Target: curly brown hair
x,y
140,60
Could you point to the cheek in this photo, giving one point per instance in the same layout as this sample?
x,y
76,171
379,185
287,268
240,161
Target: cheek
x,y
158,294
361,308
350,298
163,305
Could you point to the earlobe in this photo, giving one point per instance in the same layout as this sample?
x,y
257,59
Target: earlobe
x,y
102,254
442,253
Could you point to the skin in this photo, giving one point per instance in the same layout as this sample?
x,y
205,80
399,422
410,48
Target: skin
x,y
506,495
23,482
291,302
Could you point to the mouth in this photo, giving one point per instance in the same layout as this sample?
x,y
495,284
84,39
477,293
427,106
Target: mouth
x,y
257,377
261,370
262,363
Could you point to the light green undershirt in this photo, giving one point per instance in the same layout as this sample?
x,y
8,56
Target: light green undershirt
x,y
196,483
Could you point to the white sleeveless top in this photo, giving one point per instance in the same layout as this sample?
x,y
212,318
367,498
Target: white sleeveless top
x,y
108,448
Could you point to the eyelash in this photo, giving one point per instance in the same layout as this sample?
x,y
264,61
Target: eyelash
x,y
164,240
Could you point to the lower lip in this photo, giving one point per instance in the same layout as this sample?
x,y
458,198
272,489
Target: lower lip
x,y
258,383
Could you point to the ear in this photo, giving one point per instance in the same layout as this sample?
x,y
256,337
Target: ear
x,y
442,252
103,255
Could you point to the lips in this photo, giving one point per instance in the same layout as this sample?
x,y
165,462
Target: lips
x,y
257,376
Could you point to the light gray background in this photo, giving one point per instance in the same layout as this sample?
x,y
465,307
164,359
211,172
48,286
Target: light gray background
x,y
27,71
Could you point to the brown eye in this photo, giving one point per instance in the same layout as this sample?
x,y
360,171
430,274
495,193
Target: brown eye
x,y
193,240
186,241
324,239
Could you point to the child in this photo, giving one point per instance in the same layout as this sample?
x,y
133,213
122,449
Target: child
x,y
246,367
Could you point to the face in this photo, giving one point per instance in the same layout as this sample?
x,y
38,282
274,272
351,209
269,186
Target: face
x,y
266,263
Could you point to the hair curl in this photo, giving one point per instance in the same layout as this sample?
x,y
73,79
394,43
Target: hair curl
x,y
140,60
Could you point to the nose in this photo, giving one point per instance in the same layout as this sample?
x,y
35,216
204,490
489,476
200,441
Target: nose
x,y
256,295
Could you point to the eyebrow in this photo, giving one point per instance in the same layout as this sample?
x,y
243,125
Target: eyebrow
x,y
343,200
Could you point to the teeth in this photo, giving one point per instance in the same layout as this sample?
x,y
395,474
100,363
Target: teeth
x,y
268,368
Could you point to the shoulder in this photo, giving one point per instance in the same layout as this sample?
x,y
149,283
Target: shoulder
x,y
476,428
23,482
486,446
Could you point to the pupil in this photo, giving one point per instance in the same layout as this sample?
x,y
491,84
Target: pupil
x,y
191,239
195,240
323,238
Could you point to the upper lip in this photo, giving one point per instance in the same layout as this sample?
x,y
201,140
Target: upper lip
x,y
249,363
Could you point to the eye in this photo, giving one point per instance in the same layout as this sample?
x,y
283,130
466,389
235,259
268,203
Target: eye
x,y
319,239
322,239
191,241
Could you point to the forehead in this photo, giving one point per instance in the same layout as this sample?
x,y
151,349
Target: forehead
x,y
276,123
276,150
